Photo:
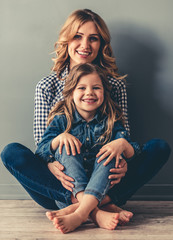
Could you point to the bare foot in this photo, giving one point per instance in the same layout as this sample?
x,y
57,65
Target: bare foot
x,y
68,223
103,219
124,216
65,211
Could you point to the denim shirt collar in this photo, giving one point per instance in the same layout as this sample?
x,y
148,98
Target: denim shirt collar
x,y
78,118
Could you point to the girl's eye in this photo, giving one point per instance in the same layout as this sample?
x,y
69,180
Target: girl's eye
x,y
96,88
81,88
77,36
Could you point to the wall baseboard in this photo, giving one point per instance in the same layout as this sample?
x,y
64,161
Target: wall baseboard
x,y
155,192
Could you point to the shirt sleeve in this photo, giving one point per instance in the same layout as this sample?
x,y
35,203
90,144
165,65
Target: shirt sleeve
x,y
55,128
41,112
121,132
122,102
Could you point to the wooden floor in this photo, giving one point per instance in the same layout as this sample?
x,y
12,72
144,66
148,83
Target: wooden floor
x,y
25,220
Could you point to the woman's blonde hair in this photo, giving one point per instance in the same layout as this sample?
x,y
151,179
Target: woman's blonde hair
x,y
67,106
104,58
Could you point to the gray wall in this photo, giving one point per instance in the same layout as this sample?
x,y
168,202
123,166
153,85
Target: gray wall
x,y
142,41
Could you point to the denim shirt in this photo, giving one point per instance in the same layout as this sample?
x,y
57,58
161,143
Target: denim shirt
x,y
87,133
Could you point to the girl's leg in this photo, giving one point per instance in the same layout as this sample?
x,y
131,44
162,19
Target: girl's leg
x,y
87,204
34,175
154,155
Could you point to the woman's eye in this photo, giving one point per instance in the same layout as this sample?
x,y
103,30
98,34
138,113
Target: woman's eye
x,y
77,36
93,39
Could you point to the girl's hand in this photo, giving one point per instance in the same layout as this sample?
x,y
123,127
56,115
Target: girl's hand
x,y
71,143
57,170
118,173
114,149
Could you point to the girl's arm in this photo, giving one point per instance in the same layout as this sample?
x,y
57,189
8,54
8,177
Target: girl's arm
x,y
55,137
115,149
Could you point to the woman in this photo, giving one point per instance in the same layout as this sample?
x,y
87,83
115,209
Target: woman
x,y
83,38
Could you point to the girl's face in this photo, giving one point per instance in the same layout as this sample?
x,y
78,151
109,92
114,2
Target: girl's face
x,y
88,95
84,47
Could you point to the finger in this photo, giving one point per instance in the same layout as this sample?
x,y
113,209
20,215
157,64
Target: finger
x,y
116,176
67,183
78,145
67,147
108,159
117,161
117,170
72,147
100,152
115,182
60,147
122,163
103,156
59,165
67,187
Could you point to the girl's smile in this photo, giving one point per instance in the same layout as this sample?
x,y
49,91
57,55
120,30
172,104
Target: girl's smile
x,y
88,95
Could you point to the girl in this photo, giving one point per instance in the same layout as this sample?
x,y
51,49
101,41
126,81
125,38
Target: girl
x,y
86,120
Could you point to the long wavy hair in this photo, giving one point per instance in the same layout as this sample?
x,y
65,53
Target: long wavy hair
x,y
67,106
104,59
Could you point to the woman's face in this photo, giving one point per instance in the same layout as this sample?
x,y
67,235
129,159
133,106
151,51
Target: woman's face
x,y
84,47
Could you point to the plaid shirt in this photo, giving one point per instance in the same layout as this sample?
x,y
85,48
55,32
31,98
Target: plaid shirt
x,y
49,91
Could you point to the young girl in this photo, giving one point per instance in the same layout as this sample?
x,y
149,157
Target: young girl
x,y
80,130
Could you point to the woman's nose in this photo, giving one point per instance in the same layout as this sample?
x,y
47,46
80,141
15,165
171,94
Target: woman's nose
x,y
85,43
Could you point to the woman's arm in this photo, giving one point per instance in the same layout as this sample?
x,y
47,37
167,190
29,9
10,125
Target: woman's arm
x,y
41,112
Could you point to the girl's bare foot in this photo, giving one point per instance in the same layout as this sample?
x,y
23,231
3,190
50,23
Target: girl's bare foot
x,y
68,223
65,211
124,216
103,219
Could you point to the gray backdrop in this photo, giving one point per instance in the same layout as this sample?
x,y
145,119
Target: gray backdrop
x,y
142,41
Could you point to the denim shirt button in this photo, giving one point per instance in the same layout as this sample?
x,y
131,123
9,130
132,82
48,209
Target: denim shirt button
x,y
87,139
122,132
87,125
85,159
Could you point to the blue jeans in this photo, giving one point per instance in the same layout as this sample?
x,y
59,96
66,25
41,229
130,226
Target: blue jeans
x,y
44,188
91,181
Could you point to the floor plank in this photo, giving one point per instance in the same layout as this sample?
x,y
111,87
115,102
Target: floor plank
x,y
25,220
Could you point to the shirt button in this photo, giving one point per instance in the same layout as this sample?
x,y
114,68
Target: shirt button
x,y
87,125
86,150
87,139
122,132
85,159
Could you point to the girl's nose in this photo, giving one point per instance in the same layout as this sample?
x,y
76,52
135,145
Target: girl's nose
x,y
89,91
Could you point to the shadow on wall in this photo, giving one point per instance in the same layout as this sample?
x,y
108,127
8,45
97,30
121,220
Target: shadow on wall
x,y
138,53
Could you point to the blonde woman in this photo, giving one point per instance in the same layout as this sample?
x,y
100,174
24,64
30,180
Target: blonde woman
x,y
84,38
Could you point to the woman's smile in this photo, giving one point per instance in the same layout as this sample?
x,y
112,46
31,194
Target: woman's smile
x,y
85,45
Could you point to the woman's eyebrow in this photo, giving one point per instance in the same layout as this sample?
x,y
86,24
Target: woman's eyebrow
x,y
92,34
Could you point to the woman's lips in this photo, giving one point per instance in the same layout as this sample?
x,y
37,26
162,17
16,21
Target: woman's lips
x,y
81,53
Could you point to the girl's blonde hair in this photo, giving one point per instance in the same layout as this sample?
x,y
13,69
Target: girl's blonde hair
x,y
104,58
67,106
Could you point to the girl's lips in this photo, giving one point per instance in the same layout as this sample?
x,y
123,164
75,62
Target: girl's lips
x,y
89,100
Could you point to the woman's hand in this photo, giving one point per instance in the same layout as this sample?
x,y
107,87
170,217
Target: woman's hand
x,y
114,149
71,143
57,170
118,173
